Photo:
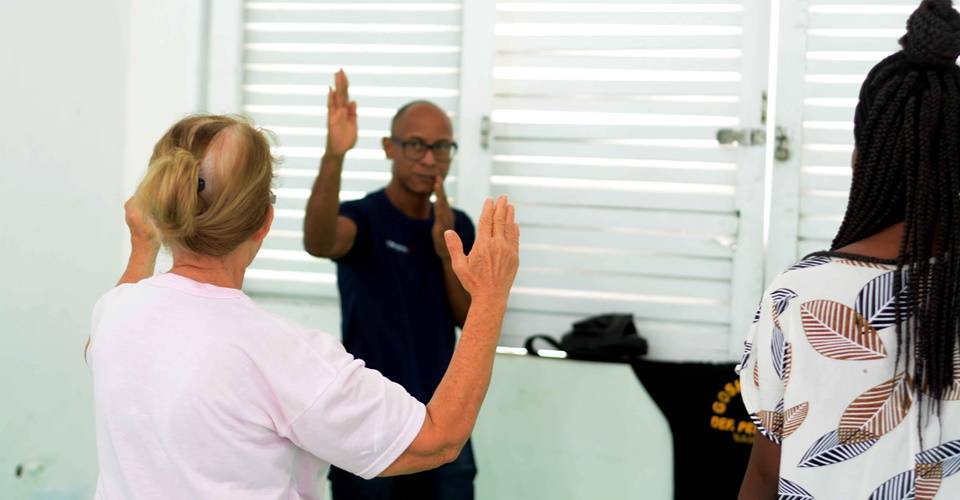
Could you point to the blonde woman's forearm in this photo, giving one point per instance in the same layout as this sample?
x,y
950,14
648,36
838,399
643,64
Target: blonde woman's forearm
x,y
141,264
453,410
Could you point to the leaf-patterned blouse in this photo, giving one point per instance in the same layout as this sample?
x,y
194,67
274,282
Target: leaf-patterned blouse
x,y
818,376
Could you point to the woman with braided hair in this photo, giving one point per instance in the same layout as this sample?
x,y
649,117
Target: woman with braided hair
x,y
851,370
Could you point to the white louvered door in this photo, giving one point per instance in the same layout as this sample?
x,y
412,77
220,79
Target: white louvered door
x,y
826,49
393,52
599,119
604,126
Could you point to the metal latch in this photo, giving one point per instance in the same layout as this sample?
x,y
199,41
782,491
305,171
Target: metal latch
x,y
756,137
742,137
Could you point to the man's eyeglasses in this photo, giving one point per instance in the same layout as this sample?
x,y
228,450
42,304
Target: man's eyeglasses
x,y
415,149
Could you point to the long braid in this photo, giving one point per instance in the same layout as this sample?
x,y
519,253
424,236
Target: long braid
x,y
950,158
898,280
938,278
907,130
881,215
881,129
921,271
909,157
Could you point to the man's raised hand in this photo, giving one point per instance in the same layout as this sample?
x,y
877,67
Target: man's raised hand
x,y
341,117
443,219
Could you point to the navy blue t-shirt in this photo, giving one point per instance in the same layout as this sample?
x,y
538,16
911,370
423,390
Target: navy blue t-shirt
x,y
393,301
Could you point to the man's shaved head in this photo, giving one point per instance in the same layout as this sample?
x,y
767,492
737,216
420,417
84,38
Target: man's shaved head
x,y
399,116
424,123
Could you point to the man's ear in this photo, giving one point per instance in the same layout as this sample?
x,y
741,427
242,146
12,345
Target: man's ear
x,y
387,147
261,233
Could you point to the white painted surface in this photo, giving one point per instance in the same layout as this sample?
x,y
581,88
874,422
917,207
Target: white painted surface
x,y
62,103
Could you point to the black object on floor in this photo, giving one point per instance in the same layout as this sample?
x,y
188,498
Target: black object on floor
x,y
608,338
712,432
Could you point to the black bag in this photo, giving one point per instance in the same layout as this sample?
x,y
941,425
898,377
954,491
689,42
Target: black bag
x,y
608,337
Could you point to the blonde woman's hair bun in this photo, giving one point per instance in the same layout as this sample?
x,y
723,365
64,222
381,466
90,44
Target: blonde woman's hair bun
x,y
228,154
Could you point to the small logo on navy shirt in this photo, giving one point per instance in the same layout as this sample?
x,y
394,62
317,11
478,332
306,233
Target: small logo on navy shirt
x,y
393,245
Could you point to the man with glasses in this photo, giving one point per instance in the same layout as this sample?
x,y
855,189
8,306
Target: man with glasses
x,y
399,298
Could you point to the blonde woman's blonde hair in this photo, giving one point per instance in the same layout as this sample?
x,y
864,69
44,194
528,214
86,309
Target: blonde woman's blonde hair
x,y
207,188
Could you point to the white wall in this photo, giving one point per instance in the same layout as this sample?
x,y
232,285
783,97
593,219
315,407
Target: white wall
x,y
73,143
61,145
164,75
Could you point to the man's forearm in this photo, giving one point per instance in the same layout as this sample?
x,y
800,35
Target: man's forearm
x,y
142,261
458,298
320,219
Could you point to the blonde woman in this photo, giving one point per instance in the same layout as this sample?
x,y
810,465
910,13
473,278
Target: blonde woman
x,y
199,393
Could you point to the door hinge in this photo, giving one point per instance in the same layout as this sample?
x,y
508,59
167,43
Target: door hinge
x,y
485,132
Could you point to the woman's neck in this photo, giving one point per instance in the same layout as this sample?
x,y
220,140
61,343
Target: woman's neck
x,y
882,245
224,272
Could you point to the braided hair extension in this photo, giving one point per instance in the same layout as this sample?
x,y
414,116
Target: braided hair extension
x,y
907,132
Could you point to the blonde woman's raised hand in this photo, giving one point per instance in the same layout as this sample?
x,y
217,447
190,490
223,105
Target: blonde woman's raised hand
x,y
144,244
143,233
341,117
490,268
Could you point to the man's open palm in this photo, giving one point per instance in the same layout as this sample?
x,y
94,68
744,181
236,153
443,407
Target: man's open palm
x,y
341,117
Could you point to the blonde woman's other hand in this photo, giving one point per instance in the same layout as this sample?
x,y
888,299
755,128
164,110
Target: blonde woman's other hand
x,y
490,268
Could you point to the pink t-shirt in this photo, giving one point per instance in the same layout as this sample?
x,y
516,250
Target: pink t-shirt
x,y
199,393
